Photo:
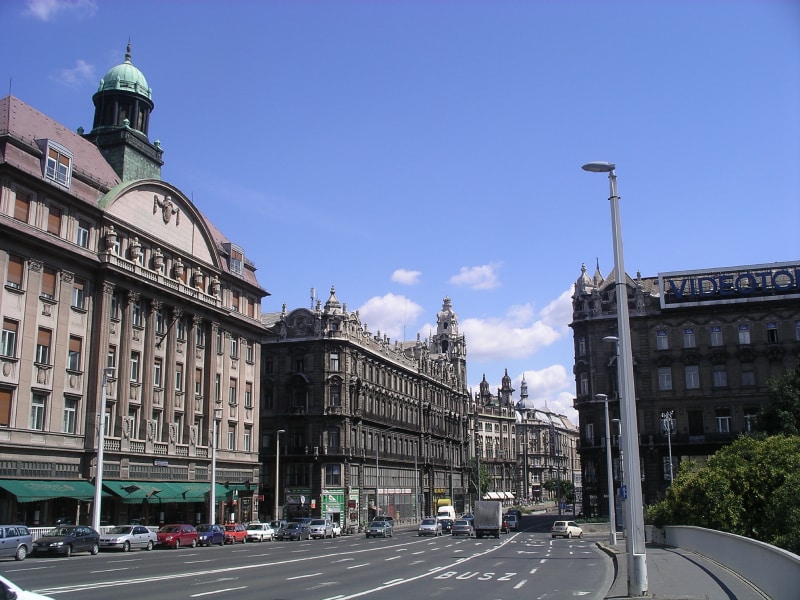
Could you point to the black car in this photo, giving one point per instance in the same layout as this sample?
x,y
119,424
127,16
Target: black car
x,y
447,525
294,531
68,539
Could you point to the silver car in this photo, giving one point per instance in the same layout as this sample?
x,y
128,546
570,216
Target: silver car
x,y
430,526
127,537
380,529
320,528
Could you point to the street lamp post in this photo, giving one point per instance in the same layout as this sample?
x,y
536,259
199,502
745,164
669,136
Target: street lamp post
x,y
612,527
216,417
668,426
108,373
634,516
277,468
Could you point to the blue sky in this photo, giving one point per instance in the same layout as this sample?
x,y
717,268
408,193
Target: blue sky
x,y
407,151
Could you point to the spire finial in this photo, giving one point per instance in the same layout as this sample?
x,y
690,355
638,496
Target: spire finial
x,y
128,52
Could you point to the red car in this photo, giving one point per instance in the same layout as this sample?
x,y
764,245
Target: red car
x,y
175,536
235,533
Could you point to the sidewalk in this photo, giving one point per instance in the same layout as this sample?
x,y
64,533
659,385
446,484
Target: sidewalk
x,y
678,574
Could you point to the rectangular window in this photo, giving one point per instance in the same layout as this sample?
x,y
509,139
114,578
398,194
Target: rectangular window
x,y
74,357
137,314
48,283
78,293
662,340
180,327
58,165
5,407
716,336
160,322
114,306
82,238
54,216
43,341
248,395
198,382
234,347
22,207
69,423
133,415
589,432
158,373
232,393
744,334
688,337
665,378
251,356
251,307
135,363
720,375
750,418
8,343
232,438
220,336
217,388
723,420
692,377
334,361
235,300
335,395
748,376
199,335
248,439
299,365
584,383
111,357
237,257
38,410
772,333
15,272
178,377
333,475
582,346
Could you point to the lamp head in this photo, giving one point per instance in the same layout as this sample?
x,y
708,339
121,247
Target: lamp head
x,y
599,167
280,431
601,397
610,338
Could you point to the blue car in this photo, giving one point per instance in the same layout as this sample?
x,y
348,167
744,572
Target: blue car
x,y
208,535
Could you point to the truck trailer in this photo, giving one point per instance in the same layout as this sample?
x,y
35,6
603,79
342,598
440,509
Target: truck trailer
x,y
488,518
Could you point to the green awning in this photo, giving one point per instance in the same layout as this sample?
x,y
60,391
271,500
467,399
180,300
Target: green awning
x,y
34,490
154,492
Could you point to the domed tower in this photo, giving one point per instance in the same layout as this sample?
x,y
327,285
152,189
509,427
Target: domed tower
x,y
122,107
447,340
506,390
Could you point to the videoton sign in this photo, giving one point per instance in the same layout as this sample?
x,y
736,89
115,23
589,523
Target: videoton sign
x,y
775,281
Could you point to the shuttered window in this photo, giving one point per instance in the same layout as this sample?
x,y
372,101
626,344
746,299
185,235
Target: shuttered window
x,y
49,283
15,270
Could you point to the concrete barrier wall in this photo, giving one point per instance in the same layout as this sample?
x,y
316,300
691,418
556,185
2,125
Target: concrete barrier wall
x,y
774,571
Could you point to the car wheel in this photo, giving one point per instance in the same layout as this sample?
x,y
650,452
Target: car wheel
x,y
177,544
126,547
580,535
21,553
68,551
194,543
569,535
95,548
149,545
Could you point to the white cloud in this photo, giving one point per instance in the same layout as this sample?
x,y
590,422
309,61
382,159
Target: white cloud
x,y
406,277
483,277
80,73
389,314
559,312
46,10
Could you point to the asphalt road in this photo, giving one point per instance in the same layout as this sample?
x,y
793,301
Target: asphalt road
x,y
525,564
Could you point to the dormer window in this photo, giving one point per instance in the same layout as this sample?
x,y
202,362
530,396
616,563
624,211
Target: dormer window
x,y
236,260
58,164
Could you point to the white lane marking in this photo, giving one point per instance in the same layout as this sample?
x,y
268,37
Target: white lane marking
x,y
303,576
520,584
218,591
358,566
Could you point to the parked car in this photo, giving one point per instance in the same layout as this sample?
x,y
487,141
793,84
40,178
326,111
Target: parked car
x,y
567,529
337,529
380,529
258,532
15,540
235,533
447,525
294,531
177,535
67,540
320,528
463,527
209,535
430,526
11,591
126,537
277,524
513,522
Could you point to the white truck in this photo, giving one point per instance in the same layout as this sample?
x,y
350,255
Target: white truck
x,y
488,518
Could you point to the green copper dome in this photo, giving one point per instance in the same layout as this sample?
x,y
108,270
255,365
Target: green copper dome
x,y
125,77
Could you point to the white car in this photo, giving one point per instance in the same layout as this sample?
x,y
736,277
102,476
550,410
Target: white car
x,y
13,591
430,526
258,532
337,529
567,529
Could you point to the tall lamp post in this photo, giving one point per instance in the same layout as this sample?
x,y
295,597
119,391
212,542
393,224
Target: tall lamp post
x,y
277,467
612,526
634,515
216,417
108,373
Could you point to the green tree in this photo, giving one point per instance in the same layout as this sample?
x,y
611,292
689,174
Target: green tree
x,y
749,488
485,480
782,414
563,487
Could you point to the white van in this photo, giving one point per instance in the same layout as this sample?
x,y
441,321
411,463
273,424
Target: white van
x,y
447,512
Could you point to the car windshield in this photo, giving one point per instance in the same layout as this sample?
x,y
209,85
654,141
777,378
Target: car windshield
x,y
169,529
120,530
317,522
293,526
204,528
461,523
429,521
560,524
60,531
